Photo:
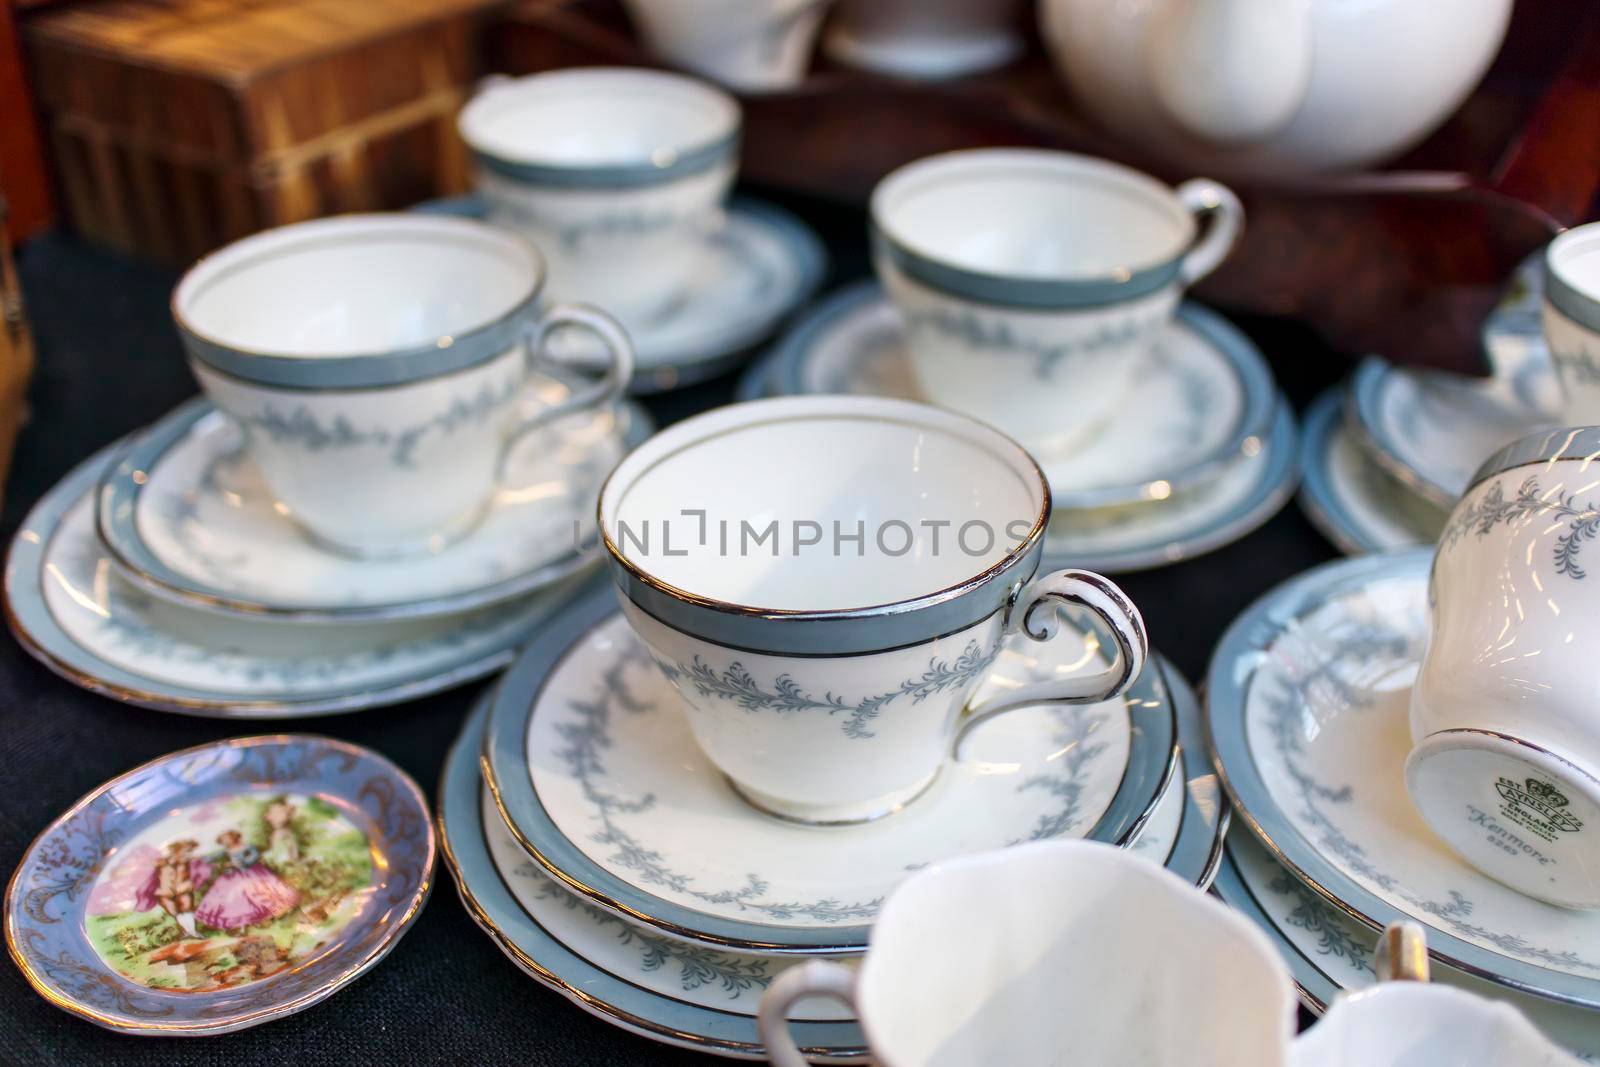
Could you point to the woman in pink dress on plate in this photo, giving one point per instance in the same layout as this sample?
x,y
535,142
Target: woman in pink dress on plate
x,y
246,892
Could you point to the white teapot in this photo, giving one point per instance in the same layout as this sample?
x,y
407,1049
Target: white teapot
x,y
1272,87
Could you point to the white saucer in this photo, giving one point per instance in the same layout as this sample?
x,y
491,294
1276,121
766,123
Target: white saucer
x,y
1309,696
1205,402
69,607
763,263
188,519
1329,953
594,768
1355,503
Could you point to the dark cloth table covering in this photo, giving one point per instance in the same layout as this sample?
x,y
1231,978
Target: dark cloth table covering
x,y
109,363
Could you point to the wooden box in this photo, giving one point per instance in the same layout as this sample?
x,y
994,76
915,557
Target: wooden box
x,y
177,125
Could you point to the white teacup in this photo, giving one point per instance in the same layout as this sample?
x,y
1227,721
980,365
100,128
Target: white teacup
x,y
374,363
617,174
1506,763
785,563
1411,1024
750,45
1572,319
1053,953
1034,283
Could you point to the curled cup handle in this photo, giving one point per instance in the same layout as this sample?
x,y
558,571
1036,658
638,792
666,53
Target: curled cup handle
x,y
1402,954
1035,613
605,390
814,978
1220,218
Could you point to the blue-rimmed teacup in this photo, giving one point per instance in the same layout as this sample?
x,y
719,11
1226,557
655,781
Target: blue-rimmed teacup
x,y
826,580
1572,319
617,174
375,361
1033,283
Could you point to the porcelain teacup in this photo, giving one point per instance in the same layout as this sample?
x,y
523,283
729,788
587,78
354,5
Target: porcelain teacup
x,y
1572,319
1053,953
617,174
750,45
1506,759
1033,284
825,580
375,364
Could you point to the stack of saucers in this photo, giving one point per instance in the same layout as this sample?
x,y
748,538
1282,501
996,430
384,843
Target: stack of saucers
x,y
1388,455
392,495
578,816
1309,719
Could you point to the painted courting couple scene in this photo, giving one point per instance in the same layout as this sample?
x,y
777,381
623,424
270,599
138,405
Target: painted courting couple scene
x,y
230,892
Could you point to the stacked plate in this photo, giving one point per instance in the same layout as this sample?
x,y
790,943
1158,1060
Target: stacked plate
x,y
599,848
1387,456
1208,452
161,572
1308,716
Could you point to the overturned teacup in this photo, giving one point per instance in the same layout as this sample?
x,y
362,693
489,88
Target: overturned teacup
x,y
826,580
617,174
1506,763
750,45
1053,953
375,362
1034,283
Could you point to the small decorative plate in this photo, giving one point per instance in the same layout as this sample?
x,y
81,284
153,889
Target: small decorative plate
x,y
629,976
188,519
1330,953
1207,400
594,768
1139,536
1431,429
222,886
1309,708
1355,503
68,606
765,263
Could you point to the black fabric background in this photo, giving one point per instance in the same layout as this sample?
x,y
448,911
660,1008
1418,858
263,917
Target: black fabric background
x,y
110,362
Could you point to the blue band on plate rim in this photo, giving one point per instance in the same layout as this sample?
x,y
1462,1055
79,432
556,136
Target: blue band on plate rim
x,y
793,353
1021,292
48,894
374,370
611,997
1570,443
696,160
1151,760
117,520
37,630
1232,672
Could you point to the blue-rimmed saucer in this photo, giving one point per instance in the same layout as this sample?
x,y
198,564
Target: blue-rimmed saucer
x,y
68,606
1308,712
656,987
187,517
763,262
594,769
222,886
1329,953
1206,396
1356,504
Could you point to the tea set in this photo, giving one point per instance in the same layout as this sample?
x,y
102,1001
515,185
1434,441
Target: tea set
x,y
850,690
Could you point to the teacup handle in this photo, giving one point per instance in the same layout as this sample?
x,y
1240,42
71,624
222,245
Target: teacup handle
x,y
1402,954
1035,614
1220,217
607,389
814,978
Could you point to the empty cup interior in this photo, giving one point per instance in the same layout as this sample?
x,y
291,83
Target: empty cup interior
x,y
598,117
1032,214
1076,953
721,506
357,285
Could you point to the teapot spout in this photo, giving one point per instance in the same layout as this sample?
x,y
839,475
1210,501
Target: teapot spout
x,y
1230,71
